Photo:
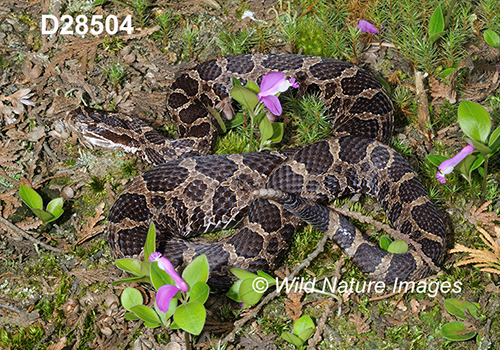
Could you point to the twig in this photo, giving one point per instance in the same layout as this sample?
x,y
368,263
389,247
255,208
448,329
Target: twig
x,y
389,230
321,325
238,324
27,236
11,308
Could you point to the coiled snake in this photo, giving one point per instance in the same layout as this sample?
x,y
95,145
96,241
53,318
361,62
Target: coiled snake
x,y
266,195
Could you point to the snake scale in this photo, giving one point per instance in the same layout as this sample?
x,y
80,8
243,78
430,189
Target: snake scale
x,y
266,196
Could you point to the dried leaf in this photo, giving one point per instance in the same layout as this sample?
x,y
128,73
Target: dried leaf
x,y
362,326
89,277
9,157
59,345
293,307
90,230
480,216
441,90
486,259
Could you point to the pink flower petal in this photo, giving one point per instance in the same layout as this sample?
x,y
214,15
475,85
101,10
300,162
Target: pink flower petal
x,y
294,83
166,265
272,103
271,79
164,296
448,165
367,27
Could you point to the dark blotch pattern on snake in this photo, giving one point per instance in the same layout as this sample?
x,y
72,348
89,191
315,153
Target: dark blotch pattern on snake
x,y
266,196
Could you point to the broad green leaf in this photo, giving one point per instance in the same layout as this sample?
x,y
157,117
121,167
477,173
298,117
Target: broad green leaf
x,y
306,334
271,279
151,325
132,266
30,197
491,38
248,294
465,166
239,119
398,247
278,131
481,148
233,292
384,242
159,277
150,245
130,316
436,24
245,97
145,268
56,214
191,317
253,87
292,338
457,331
54,204
457,307
174,326
196,271
302,324
436,159
131,297
474,121
221,126
164,316
146,314
494,136
139,279
236,82
266,129
46,217
242,274
447,72
199,292
477,162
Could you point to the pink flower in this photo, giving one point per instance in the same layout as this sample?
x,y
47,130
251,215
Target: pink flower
x,y
272,84
367,27
447,166
167,292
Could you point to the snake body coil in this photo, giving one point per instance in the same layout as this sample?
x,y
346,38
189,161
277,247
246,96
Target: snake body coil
x,y
190,192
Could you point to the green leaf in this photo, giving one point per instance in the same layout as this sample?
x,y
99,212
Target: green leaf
x,y
191,317
494,136
132,266
174,326
398,247
457,331
146,314
143,279
151,325
242,274
479,159
253,87
447,72
164,316
130,316
474,121
196,271
278,131
244,97
266,129
481,148
491,38
436,24
303,324
159,277
384,242
465,166
239,119
292,338
306,334
131,297
236,82
30,197
150,245
247,293
436,159
145,267
54,204
233,292
457,308
220,123
199,292
56,214
43,215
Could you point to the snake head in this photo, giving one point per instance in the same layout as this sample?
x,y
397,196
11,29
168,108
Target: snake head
x,y
101,129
